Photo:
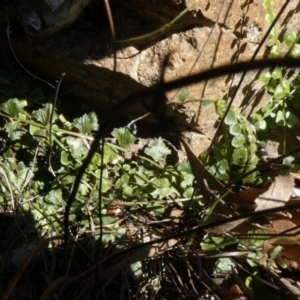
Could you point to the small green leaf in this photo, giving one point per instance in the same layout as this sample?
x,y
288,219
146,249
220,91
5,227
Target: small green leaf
x,y
128,191
279,92
188,192
269,18
42,115
13,107
65,158
267,109
268,4
54,197
230,118
159,209
78,147
183,95
108,219
14,130
290,38
212,243
276,251
224,265
86,123
161,182
157,149
261,125
123,136
238,140
265,78
275,51
188,180
286,86
254,241
185,167
220,107
288,161
110,156
291,119
239,156
295,52
277,73
280,121
271,85
235,129
136,269
207,104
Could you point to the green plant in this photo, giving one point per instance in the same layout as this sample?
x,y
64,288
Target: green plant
x,y
235,153
38,178
283,86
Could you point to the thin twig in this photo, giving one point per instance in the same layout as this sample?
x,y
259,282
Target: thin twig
x,y
53,109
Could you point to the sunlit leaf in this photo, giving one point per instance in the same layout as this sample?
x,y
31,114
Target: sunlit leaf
x,y
279,91
188,180
14,130
77,146
280,118
65,158
277,73
207,104
54,197
161,182
254,240
261,125
136,269
87,123
295,52
220,107
157,149
188,192
265,78
235,129
291,119
42,115
290,38
159,209
224,265
238,140
13,107
239,156
123,136
108,219
185,167
275,51
230,118
110,156
183,95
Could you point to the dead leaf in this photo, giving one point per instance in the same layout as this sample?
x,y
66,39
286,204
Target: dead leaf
x,y
250,194
290,255
279,192
236,293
